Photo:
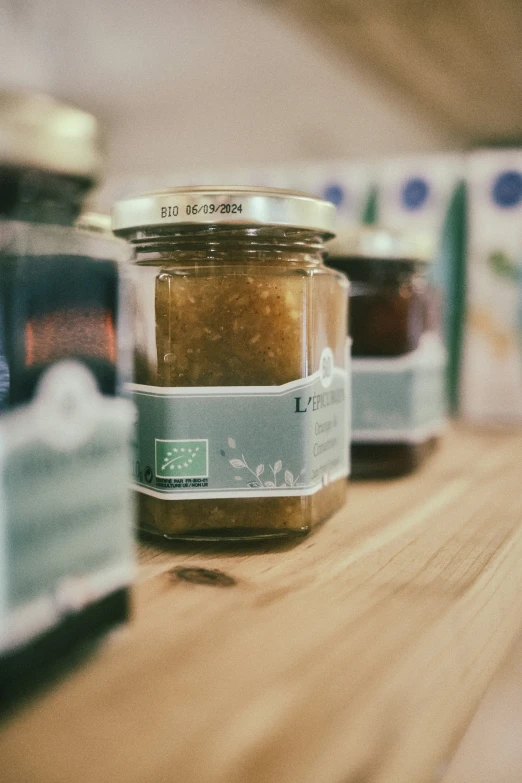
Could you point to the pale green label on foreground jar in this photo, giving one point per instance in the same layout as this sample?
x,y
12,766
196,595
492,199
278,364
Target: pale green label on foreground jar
x,y
243,441
66,527
400,400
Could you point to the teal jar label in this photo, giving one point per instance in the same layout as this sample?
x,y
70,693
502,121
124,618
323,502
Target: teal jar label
x,y
243,441
400,399
66,522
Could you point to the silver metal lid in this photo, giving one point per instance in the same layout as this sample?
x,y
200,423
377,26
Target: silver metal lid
x,y
230,206
38,131
373,242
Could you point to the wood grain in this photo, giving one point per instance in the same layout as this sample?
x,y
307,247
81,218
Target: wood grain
x,y
358,655
491,751
458,60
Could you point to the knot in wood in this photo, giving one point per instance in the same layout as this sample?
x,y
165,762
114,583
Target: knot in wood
x,y
202,576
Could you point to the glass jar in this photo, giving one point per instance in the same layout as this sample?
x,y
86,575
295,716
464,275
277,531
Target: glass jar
x,y
241,363
388,294
60,292
398,367
66,522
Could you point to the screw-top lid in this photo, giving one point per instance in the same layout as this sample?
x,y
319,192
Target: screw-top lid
x,y
38,131
376,242
95,223
229,206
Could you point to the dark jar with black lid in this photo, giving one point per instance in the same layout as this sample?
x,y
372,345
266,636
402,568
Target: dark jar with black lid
x,y
398,357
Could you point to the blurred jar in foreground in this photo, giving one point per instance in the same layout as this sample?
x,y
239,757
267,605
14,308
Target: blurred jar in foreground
x,y
398,357
65,520
241,364
59,287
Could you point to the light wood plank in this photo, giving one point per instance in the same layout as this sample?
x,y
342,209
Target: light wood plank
x,y
491,750
459,61
358,655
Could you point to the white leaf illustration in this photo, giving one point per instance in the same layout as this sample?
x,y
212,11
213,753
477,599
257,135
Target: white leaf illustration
x,y
278,466
289,477
232,443
237,463
269,484
260,469
238,478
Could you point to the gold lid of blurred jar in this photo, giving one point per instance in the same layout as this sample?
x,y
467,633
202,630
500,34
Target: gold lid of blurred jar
x,y
373,242
225,206
40,132
95,223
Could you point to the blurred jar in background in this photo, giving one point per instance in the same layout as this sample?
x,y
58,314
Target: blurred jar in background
x,y
391,304
95,223
59,287
399,360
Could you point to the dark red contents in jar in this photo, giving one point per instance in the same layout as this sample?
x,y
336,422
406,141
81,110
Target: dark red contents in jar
x,y
388,305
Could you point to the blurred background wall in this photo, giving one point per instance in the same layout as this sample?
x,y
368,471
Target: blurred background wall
x,y
187,85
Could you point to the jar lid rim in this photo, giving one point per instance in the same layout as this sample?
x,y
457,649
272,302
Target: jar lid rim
x,y
224,205
94,222
379,243
40,132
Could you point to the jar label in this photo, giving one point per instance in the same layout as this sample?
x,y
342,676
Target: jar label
x,y
237,441
400,400
66,533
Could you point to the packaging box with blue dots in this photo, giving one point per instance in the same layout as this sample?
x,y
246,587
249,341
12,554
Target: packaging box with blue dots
x,y
491,388
426,195
347,184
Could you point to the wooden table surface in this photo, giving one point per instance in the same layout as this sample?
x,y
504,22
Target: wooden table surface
x,y
358,655
491,750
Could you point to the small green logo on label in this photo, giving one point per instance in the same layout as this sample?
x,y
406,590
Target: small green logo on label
x,y
181,458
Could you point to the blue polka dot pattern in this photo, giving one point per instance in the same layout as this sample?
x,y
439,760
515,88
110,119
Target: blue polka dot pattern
x,y
507,189
335,194
415,193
